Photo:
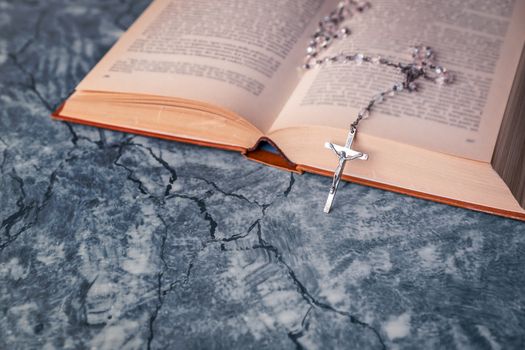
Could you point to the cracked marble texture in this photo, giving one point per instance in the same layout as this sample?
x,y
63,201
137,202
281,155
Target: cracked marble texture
x,y
110,240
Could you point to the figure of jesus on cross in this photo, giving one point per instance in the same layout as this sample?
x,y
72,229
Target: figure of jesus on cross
x,y
344,153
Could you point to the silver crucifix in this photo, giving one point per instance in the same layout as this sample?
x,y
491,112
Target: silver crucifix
x,y
344,153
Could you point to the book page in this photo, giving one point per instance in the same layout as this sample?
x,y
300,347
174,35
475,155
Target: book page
x,y
237,54
480,41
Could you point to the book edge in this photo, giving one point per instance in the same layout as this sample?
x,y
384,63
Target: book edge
x,y
506,158
58,116
418,194
282,162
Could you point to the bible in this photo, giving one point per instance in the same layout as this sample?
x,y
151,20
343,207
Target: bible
x,y
226,74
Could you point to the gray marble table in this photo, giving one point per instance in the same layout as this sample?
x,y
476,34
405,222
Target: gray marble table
x,y
109,240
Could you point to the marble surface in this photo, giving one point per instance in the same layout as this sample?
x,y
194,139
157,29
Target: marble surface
x,y
108,240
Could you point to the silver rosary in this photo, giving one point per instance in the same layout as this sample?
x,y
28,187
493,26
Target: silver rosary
x,y
422,66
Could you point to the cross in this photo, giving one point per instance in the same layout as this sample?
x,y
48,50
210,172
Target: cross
x,y
344,153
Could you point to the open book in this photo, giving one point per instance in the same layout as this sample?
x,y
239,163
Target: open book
x,y
225,74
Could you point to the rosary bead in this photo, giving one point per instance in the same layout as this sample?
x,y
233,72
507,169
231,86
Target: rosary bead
x,y
444,78
412,86
440,70
429,53
398,87
422,55
308,60
359,58
363,114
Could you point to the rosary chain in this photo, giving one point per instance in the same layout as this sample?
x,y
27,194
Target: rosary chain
x,y
329,30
